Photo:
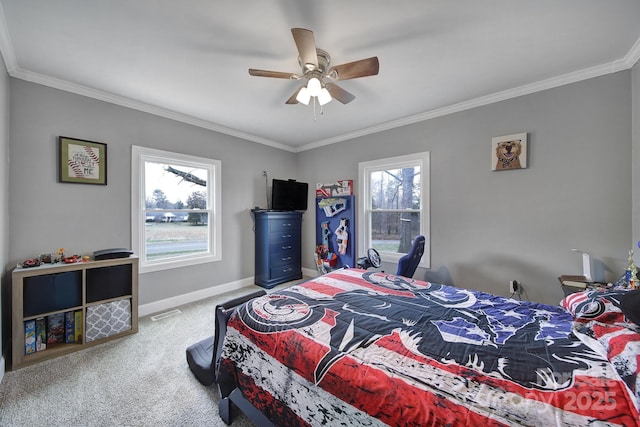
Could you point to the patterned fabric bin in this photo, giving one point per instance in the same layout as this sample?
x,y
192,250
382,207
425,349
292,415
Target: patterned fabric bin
x,y
108,319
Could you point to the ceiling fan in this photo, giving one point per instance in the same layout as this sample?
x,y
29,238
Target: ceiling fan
x,y
315,69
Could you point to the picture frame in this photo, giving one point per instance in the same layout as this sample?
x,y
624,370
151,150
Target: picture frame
x,y
509,152
81,161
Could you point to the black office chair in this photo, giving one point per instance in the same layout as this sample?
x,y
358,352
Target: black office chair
x,y
407,264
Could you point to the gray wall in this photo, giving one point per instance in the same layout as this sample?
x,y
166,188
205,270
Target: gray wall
x,y
486,227
490,227
45,214
4,216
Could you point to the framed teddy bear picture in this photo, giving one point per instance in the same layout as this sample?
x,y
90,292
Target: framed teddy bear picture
x,y
509,152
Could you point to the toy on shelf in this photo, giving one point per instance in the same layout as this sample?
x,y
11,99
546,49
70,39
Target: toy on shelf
x,y
28,263
332,206
325,260
320,262
326,232
53,258
342,187
342,236
632,272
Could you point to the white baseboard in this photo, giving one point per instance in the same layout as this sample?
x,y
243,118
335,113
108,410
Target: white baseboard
x,y
169,303
309,272
2,366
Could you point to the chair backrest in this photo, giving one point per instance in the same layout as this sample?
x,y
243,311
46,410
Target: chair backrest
x,y
407,264
223,312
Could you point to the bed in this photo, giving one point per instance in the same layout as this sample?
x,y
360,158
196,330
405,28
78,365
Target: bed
x,y
355,347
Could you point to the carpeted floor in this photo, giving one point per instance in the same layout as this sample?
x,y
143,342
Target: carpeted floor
x,y
139,380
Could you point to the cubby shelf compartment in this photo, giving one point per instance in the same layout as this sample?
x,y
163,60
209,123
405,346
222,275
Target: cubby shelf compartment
x,y
55,288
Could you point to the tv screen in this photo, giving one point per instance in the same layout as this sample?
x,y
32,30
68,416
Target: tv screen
x,y
289,195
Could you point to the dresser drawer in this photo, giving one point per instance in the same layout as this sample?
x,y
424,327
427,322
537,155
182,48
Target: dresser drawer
x,y
284,229
288,256
286,224
282,236
284,245
284,271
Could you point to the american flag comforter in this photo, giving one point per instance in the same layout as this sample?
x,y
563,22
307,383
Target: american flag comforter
x,y
367,348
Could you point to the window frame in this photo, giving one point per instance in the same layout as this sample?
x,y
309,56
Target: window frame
x,y
364,202
140,155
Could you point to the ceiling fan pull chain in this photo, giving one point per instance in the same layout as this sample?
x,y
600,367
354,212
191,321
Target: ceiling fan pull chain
x,y
314,108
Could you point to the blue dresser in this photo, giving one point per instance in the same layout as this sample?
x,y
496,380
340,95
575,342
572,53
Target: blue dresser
x,y
278,247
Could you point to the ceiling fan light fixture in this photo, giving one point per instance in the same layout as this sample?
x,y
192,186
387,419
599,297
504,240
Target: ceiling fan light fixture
x,y
314,86
319,76
303,96
324,97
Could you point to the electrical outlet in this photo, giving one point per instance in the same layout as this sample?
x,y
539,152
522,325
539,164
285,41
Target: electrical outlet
x,y
514,287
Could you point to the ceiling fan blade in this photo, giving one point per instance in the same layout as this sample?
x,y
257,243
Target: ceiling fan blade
x,y
275,74
352,70
293,99
340,94
306,44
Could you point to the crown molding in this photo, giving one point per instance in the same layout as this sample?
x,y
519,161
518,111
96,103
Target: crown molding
x,y
89,92
599,70
550,83
6,47
633,56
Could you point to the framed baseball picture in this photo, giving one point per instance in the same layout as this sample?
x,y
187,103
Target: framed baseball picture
x,y
509,152
82,162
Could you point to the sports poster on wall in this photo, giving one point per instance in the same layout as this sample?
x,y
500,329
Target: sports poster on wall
x,y
82,162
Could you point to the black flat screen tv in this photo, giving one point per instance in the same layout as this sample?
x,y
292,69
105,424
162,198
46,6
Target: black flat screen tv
x,y
289,195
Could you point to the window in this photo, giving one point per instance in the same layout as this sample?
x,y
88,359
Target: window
x,y
394,205
175,202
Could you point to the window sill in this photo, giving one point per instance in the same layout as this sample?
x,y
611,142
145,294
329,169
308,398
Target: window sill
x,y
150,267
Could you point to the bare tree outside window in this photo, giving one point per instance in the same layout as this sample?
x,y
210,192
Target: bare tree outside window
x,y
173,211
395,208
394,205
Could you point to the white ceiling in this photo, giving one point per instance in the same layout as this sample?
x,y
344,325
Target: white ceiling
x,y
188,60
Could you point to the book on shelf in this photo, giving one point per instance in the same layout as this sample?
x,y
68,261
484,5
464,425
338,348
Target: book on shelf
x,y
77,333
29,336
41,334
55,328
69,327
